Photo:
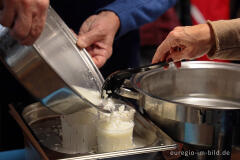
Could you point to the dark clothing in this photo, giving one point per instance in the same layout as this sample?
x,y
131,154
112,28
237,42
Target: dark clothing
x,y
125,53
132,14
11,92
234,9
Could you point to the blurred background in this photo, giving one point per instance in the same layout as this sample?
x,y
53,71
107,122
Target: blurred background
x,y
185,13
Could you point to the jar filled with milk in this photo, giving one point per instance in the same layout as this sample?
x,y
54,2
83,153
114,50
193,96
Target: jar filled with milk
x,y
115,130
110,131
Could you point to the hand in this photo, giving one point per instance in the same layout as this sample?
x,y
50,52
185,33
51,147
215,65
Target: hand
x,y
25,18
185,43
97,35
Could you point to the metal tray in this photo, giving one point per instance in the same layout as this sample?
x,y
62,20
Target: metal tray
x,y
151,137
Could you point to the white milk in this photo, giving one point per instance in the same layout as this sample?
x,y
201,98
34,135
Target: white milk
x,y
91,95
115,131
111,138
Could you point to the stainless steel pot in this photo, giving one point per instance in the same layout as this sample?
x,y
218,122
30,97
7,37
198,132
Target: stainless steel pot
x,y
198,104
52,66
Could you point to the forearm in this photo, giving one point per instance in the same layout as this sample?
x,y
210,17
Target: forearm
x,y
227,39
133,14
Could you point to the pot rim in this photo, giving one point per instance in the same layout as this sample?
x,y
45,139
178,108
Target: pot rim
x,y
187,64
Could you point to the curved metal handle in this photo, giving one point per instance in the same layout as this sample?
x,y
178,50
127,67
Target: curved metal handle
x,y
111,86
127,93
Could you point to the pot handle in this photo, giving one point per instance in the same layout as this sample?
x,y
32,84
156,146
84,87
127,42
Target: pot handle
x,y
127,93
118,83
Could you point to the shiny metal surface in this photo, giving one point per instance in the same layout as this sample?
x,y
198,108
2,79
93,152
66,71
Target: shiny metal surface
x,y
199,84
50,67
151,137
116,79
198,104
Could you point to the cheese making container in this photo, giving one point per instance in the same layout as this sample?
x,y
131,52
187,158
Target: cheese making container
x,y
52,66
115,130
197,104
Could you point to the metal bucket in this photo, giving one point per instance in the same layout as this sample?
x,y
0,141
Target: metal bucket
x,y
52,65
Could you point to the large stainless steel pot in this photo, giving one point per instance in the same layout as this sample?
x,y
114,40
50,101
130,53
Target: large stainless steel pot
x,y
198,104
52,65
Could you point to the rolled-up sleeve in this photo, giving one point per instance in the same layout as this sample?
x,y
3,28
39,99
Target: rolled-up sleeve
x,y
134,13
227,39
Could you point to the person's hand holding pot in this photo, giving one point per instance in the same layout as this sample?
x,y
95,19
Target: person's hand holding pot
x,y
188,43
24,18
97,35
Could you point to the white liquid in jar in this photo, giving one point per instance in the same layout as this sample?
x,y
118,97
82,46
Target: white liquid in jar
x,y
113,137
114,131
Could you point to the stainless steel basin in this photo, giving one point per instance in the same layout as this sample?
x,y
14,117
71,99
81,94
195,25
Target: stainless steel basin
x,y
198,104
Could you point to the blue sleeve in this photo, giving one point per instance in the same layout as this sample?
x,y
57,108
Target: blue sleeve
x,y
134,13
